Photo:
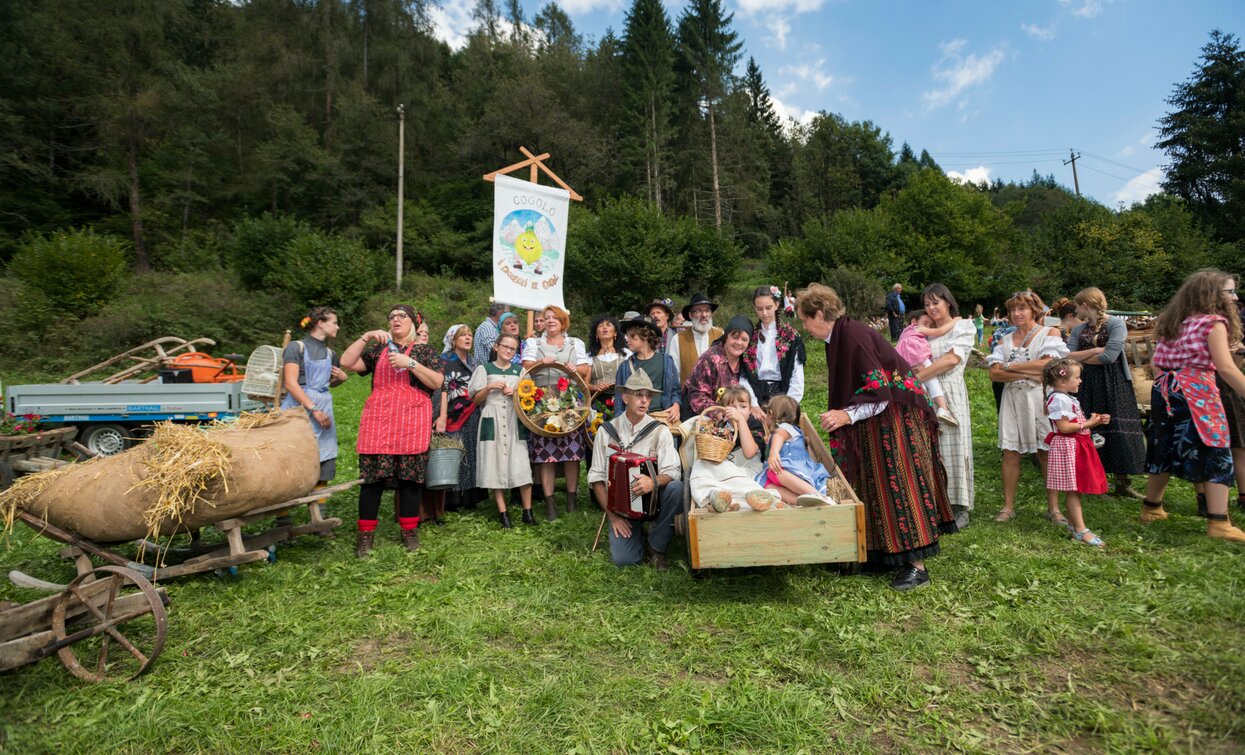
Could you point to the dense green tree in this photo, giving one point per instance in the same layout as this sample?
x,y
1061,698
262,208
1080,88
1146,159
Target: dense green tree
x,y
648,56
1204,137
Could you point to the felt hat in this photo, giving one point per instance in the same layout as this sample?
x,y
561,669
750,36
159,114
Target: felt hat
x,y
643,321
665,304
639,381
698,298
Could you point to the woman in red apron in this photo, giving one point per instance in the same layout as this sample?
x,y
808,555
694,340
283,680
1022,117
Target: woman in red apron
x,y
396,424
1189,434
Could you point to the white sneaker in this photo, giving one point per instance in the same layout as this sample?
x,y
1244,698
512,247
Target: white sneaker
x,y
945,415
815,499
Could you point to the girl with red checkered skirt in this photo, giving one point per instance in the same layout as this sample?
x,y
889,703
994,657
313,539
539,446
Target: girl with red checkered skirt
x,y
1072,464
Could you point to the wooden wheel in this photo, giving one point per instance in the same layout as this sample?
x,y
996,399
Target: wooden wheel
x,y
128,599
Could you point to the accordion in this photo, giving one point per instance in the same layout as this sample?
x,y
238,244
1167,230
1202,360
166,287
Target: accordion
x,y
624,468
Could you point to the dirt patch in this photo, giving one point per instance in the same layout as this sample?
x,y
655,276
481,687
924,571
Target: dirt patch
x,y
368,654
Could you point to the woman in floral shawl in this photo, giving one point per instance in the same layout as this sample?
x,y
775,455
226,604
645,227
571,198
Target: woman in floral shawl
x,y
884,433
721,366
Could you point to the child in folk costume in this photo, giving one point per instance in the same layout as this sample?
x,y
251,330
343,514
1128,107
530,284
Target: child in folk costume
x,y
1072,464
501,455
792,471
736,476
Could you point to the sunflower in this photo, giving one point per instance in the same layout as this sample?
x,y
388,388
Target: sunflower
x,y
527,403
526,388
552,428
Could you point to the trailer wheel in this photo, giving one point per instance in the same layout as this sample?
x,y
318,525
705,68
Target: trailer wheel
x,y
106,439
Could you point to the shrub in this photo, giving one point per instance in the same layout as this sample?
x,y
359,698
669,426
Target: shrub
x,y
318,268
429,245
862,294
711,259
77,270
626,254
256,242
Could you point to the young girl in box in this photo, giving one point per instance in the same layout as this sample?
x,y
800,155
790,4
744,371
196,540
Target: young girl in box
x,y
792,472
1072,464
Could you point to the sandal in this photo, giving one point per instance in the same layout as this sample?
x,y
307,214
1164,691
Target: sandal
x,y
1088,538
1006,515
1061,520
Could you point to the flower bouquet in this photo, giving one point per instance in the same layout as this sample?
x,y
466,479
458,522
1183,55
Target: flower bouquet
x,y
554,411
715,435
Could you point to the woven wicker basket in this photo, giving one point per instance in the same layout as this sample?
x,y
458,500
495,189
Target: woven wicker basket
x,y
711,448
581,417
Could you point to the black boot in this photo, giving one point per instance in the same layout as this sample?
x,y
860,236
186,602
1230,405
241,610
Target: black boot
x,y
1201,505
570,502
363,545
527,517
410,539
504,516
551,508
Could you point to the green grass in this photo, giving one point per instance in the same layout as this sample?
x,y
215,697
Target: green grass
x,y
521,641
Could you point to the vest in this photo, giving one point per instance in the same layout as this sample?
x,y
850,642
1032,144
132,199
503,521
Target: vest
x,y
688,356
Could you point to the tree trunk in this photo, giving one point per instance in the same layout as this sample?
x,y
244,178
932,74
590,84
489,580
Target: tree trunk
x,y
656,149
713,156
141,262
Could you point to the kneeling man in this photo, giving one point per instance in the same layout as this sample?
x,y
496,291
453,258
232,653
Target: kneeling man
x,y
628,542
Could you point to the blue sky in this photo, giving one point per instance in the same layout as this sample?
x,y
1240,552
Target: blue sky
x,y
991,89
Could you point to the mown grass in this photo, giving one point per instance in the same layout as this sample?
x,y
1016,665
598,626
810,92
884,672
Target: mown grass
x,y
493,641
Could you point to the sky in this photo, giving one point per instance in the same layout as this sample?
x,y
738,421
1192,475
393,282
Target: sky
x,y
992,89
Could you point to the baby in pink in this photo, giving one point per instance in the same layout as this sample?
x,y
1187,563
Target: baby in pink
x,y
913,346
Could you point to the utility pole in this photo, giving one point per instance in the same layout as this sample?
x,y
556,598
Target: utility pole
x,y
1072,158
401,186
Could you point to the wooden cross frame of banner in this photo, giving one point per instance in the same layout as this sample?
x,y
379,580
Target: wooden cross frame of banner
x,y
535,164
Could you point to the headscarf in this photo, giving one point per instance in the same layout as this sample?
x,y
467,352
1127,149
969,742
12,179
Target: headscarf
x,y
448,341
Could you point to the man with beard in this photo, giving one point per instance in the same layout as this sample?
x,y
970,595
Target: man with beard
x,y
687,346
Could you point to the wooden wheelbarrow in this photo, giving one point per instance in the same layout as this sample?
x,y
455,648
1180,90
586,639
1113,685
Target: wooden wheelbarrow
x,y
169,563
83,625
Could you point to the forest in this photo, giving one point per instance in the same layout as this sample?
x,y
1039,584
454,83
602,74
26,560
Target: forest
x,y
245,154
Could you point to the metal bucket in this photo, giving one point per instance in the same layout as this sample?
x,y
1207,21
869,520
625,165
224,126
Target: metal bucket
x,y
442,472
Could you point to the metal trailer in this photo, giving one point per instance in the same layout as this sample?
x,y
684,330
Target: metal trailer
x,y
108,416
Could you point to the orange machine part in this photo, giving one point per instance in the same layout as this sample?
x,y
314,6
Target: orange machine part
x,y
205,368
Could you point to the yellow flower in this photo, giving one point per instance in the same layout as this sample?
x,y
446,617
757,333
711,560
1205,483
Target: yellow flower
x,y
526,388
527,403
552,428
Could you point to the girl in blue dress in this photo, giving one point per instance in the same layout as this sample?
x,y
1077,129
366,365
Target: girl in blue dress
x,y
792,472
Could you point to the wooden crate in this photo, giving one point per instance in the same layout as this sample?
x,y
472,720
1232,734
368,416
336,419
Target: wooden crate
x,y
819,535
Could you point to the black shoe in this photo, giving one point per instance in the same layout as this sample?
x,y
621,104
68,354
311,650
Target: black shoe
x,y
656,559
504,516
910,578
551,508
527,517
570,502
1201,505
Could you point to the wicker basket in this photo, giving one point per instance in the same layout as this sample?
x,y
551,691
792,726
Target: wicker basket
x,y
580,416
711,448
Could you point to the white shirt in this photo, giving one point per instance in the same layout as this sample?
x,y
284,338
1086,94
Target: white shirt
x,y
767,363
658,443
700,339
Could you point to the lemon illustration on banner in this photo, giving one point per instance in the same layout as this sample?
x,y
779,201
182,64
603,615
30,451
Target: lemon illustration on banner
x,y
530,238
528,246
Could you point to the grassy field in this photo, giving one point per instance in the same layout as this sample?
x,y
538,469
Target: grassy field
x,y
493,641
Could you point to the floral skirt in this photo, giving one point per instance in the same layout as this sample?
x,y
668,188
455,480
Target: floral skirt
x,y
900,478
542,450
1175,446
389,467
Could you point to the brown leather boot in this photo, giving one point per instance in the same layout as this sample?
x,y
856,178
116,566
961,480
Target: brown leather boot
x,y
1219,528
570,502
1152,512
363,545
410,539
551,508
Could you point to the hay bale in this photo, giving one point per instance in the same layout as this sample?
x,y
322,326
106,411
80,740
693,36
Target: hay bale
x,y
1143,381
181,479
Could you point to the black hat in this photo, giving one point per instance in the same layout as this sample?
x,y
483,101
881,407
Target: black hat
x,y
738,322
643,321
665,304
698,298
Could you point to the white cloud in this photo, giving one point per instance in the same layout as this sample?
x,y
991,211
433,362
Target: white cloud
x,y
1040,33
587,6
785,112
779,28
980,174
812,73
1128,150
1086,9
1139,188
451,24
959,73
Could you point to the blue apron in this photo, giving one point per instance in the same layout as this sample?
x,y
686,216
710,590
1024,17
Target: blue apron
x,y
317,374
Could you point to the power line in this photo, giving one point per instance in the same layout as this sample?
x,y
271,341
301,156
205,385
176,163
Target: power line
x,y
1111,175
1002,154
1113,162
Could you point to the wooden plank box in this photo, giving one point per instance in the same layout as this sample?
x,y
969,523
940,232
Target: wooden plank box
x,y
778,537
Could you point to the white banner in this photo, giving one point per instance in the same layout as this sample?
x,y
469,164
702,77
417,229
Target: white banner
x,y
529,243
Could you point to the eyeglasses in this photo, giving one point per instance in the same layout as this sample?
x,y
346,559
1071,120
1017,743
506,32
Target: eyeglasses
x,y
399,316
505,346
1230,292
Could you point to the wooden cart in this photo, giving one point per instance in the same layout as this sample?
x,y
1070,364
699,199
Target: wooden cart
x,y
169,563
37,452
82,626
783,537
